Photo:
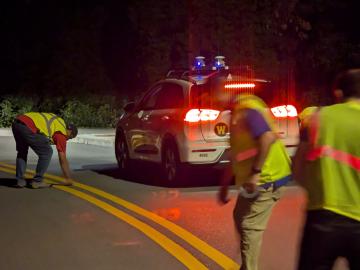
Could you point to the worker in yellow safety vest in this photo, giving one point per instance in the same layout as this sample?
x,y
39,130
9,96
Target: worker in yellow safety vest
x,y
327,165
38,131
261,167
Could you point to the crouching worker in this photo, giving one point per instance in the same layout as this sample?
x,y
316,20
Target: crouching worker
x,y
38,131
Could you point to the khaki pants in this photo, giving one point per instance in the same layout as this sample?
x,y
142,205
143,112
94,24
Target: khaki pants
x,y
251,217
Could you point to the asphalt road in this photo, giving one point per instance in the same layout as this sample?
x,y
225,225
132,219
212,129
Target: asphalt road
x,y
106,222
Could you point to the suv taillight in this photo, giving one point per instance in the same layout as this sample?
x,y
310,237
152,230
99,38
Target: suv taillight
x,y
284,111
196,115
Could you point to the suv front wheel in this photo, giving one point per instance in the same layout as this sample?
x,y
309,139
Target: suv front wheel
x,y
122,154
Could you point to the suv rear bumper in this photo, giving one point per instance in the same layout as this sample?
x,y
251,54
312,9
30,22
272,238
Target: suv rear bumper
x,y
209,153
224,160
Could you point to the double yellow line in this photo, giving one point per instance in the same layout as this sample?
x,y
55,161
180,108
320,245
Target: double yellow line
x,y
184,256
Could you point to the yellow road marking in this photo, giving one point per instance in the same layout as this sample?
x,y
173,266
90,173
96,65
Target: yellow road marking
x,y
220,258
169,245
11,171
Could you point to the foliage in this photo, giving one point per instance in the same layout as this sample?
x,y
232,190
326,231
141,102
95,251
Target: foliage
x,y
7,113
95,111
53,104
121,47
11,106
332,45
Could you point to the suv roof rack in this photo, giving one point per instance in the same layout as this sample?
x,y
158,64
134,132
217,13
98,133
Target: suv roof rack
x,y
183,74
245,72
177,73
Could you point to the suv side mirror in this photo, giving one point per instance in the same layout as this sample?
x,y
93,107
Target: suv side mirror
x,y
129,107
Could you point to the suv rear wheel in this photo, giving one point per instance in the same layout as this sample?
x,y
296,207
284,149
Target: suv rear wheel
x,y
173,170
122,154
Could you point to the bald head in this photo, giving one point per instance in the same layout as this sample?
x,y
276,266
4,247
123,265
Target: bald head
x,y
347,84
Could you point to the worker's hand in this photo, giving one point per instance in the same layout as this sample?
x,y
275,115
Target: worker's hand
x,y
223,195
251,185
68,182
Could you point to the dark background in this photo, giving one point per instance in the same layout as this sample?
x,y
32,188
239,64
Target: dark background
x,y
118,48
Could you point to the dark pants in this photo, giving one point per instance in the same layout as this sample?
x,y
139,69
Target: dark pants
x,y
24,139
326,237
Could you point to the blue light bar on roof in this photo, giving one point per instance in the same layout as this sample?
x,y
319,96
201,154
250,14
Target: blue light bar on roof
x,y
219,63
199,63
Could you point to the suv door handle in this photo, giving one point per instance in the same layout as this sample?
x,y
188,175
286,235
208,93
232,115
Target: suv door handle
x,y
165,117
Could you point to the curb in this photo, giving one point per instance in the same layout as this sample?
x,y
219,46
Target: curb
x,y
6,132
101,137
95,139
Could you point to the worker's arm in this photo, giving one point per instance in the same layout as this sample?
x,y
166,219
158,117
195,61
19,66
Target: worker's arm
x,y
64,164
299,161
265,140
265,137
264,143
299,158
60,142
224,185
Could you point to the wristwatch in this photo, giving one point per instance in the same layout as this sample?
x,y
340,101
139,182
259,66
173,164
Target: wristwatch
x,y
255,170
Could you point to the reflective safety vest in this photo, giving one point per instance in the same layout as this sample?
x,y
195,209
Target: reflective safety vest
x,y
48,123
332,173
244,147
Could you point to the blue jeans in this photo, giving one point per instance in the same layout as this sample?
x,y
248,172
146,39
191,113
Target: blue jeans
x,y
24,139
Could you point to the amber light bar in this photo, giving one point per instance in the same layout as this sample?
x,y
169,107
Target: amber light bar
x,y
239,85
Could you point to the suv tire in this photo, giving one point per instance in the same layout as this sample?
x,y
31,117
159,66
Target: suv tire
x,y
122,154
172,169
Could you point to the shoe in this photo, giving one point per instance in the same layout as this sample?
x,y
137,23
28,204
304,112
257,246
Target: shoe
x,y
36,185
20,183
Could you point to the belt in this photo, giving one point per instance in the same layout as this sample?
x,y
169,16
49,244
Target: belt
x,y
278,183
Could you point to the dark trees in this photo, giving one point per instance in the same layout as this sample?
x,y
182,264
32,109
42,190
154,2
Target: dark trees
x,y
120,47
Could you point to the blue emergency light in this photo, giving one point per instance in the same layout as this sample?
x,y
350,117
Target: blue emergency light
x,y
219,63
199,63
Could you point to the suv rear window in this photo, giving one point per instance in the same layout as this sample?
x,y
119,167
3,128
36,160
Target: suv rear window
x,y
214,95
170,97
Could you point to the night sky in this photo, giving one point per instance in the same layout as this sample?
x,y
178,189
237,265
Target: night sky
x,y
44,40
120,47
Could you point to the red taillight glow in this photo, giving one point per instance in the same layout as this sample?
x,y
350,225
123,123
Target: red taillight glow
x,y
284,111
196,115
239,85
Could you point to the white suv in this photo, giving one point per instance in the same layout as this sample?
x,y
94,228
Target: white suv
x,y
184,119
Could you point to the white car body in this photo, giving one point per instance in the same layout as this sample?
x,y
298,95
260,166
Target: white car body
x,y
163,119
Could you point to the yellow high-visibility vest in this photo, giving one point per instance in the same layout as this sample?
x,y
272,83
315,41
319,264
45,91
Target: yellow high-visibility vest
x,y
244,146
332,171
48,123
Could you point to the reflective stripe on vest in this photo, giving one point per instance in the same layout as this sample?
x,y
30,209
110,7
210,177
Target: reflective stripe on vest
x,y
48,123
246,154
340,156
